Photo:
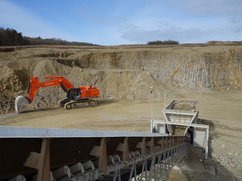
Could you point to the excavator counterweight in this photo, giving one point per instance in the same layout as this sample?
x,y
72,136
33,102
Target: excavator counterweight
x,y
73,95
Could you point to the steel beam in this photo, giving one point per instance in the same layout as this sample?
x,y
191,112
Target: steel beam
x,y
44,158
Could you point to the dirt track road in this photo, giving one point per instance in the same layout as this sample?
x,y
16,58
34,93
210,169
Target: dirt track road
x,y
113,116
222,108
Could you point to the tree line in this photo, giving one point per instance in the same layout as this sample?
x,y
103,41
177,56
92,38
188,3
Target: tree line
x,y
10,37
165,42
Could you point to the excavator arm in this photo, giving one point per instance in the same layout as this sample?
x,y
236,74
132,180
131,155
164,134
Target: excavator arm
x,y
35,85
50,81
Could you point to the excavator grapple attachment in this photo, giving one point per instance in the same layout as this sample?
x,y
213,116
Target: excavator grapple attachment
x,y
20,102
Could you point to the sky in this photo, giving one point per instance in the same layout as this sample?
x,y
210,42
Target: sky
x,y
113,22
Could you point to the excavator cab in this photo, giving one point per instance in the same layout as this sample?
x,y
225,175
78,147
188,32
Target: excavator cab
x,y
74,94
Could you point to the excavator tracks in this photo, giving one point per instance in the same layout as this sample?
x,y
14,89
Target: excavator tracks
x,y
62,102
67,104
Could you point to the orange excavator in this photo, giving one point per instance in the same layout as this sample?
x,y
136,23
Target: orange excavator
x,y
73,95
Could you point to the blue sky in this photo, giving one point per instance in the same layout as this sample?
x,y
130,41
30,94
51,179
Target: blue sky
x,y
112,22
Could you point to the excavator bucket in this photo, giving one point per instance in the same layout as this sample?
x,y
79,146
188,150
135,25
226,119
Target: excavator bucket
x,y
20,102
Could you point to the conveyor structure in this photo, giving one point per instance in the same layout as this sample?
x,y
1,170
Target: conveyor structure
x,y
83,155
181,119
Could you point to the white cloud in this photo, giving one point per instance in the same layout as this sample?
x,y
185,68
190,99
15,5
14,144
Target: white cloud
x,y
200,21
191,34
171,33
215,7
19,18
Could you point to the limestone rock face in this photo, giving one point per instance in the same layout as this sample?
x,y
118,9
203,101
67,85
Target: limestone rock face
x,y
122,73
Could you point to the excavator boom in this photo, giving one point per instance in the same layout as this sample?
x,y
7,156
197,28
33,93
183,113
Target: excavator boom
x,y
34,85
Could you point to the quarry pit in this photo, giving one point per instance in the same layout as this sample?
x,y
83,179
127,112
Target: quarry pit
x,y
136,82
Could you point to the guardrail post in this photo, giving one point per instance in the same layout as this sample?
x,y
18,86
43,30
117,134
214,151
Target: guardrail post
x,y
101,153
124,148
103,162
41,161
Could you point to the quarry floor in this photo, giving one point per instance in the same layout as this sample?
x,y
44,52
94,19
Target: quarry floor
x,y
221,110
